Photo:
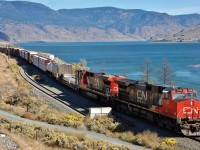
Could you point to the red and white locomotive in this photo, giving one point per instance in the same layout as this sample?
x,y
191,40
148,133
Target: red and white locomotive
x,y
174,107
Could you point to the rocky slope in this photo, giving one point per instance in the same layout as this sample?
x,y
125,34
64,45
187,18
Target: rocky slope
x,y
26,21
190,34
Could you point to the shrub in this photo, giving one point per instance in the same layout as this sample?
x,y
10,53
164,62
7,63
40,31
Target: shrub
x,y
4,120
148,139
169,141
82,65
37,77
16,109
127,136
73,120
102,124
28,115
58,139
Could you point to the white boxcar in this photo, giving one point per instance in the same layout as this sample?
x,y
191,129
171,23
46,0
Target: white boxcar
x,y
49,67
26,55
21,53
43,63
36,60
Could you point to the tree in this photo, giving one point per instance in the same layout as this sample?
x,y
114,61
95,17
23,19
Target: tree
x,y
27,103
165,73
83,62
82,65
147,70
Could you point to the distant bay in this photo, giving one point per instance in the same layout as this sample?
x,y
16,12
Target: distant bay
x,y
126,58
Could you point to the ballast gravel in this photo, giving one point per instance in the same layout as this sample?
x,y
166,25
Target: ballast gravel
x,y
6,143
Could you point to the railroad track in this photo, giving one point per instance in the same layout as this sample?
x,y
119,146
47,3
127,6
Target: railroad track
x,y
81,110
195,139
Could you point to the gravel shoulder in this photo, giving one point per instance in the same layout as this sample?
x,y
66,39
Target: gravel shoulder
x,y
6,143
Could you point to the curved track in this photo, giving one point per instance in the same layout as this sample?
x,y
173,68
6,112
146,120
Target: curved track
x,y
72,105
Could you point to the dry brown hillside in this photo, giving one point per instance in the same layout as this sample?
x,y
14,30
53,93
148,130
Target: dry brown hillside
x,y
190,34
10,80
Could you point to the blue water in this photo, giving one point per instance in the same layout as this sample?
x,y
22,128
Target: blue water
x,y
126,58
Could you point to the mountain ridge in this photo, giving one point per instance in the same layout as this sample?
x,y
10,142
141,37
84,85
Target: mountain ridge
x,y
22,21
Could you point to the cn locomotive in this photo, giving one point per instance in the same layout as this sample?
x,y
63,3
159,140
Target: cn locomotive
x,y
174,107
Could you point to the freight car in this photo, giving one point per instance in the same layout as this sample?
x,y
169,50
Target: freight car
x,y
29,56
61,72
174,107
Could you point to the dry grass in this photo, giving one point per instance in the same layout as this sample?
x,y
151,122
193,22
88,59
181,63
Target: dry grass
x,y
148,139
26,143
28,115
25,136
10,80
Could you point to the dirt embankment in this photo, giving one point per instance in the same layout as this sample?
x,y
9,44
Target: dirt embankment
x,y
10,79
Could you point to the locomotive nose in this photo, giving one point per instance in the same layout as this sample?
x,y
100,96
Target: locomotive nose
x,y
190,120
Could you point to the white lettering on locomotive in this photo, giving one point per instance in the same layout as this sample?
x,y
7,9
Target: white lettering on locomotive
x,y
188,110
141,95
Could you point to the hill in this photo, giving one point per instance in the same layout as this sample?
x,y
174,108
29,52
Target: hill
x,y
27,21
190,34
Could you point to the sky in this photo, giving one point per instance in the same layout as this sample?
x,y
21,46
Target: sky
x,y
172,7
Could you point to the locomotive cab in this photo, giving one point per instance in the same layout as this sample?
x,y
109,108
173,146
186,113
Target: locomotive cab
x,y
188,112
182,104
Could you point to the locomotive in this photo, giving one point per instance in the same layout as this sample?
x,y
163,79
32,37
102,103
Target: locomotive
x,y
174,107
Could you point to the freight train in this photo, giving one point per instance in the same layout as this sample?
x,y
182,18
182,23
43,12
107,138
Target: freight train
x,y
174,107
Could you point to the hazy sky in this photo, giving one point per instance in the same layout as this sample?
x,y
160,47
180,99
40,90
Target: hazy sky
x,y
172,7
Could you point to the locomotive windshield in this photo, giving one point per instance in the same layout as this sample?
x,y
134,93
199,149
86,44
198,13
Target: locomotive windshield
x,y
183,95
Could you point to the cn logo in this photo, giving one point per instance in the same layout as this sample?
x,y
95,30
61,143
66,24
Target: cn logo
x,y
188,110
141,95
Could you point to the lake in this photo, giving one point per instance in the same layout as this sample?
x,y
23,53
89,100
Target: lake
x,y
126,58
